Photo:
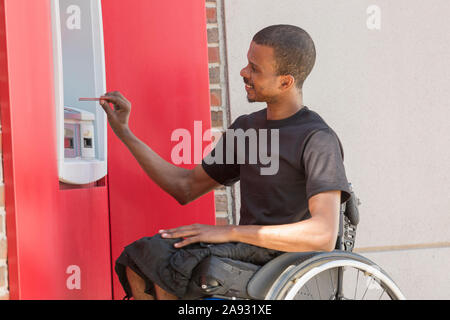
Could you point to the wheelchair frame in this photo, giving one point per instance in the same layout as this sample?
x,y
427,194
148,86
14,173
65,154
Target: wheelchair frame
x,y
298,268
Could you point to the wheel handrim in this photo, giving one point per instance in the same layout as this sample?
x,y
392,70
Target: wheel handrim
x,y
378,285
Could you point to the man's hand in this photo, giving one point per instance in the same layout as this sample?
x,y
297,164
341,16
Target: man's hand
x,y
117,117
199,233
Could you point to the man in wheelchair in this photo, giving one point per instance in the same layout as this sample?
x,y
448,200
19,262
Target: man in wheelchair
x,y
295,208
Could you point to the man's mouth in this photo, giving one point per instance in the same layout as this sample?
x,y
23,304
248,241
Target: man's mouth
x,y
247,84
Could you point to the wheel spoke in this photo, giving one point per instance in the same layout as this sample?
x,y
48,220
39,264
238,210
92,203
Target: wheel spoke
x,y
384,289
318,289
356,287
334,291
309,292
367,288
331,279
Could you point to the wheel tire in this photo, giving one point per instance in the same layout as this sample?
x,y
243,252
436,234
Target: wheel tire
x,y
293,282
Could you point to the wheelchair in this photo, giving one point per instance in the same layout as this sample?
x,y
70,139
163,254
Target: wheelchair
x,y
337,275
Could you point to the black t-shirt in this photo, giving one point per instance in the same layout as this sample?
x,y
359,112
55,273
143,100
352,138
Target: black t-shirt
x,y
310,161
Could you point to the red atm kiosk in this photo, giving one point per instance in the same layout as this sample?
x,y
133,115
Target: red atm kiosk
x,y
74,195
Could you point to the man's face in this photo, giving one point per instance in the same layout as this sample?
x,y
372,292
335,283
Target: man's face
x,y
262,83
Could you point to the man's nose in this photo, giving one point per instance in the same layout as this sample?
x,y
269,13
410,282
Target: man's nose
x,y
244,73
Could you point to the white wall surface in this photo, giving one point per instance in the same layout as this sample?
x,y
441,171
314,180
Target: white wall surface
x,y
386,93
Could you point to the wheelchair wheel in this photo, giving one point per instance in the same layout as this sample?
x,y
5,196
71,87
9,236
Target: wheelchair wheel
x,y
331,276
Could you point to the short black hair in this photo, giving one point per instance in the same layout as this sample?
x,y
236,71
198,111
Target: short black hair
x,y
294,50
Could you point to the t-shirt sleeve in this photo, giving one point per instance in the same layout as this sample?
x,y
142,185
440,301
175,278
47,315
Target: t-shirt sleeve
x,y
215,163
324,167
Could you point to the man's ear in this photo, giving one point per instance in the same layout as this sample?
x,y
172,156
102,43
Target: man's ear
x,y
287,82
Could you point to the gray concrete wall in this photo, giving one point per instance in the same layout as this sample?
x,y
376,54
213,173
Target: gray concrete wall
x,y
382,82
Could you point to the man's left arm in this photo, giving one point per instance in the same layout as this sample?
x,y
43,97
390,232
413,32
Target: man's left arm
x,y
318,233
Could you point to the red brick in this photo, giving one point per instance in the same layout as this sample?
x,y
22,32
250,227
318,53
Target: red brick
x,y
213,55
214,75
211,15
217,119
221,188
3,249
3,273
213,35
216,97
221,202
221,221
2,195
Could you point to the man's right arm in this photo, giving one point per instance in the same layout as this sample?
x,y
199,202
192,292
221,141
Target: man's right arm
x,y
183,184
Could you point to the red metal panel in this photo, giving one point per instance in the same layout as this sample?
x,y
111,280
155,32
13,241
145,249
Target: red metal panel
x,y
48,228
156,55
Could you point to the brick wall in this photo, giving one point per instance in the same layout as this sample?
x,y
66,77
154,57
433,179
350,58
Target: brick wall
x,y
4,293
220,114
